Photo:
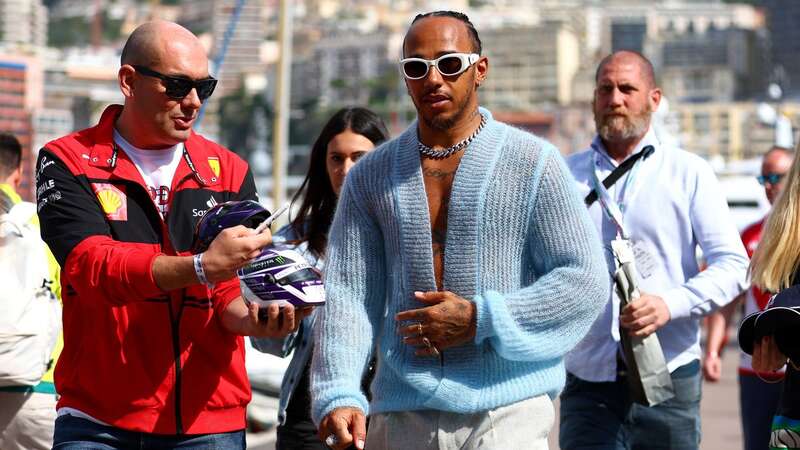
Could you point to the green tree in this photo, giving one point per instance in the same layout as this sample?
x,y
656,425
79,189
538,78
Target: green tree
x,y
238,121
383,89
77,31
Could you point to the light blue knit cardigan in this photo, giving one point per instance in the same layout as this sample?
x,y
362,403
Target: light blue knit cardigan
x,y
520,245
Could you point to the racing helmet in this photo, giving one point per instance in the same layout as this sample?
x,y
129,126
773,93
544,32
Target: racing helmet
x,y
225,215
281,275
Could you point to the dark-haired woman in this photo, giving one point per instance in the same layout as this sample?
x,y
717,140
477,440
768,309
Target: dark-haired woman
x,y
348,135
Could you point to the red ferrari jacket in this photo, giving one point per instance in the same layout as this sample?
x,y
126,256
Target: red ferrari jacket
x,y
137,357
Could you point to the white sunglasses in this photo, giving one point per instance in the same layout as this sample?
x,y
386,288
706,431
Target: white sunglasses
x,y
448,65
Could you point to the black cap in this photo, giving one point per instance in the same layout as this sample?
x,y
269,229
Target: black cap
x,y
781,320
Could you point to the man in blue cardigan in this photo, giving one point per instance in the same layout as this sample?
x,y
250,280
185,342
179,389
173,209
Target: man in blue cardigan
x,y
462,255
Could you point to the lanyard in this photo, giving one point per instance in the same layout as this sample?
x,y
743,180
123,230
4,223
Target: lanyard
x,y
614,210
186,157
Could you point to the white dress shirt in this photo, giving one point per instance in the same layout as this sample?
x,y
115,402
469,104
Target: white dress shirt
x,y
673,205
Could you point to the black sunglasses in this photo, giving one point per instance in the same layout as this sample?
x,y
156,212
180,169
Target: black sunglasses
x,y
178,87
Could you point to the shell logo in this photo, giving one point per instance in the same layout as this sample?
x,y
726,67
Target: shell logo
x,y
113,201
110,201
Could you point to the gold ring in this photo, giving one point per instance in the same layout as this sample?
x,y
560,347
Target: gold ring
x,y
419,328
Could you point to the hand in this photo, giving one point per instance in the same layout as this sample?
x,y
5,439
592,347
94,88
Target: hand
x,y
712,367
766,355
232,249
643,316
280,321
448,322
348,427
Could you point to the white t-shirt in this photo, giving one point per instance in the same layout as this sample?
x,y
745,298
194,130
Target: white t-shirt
x,y
157,168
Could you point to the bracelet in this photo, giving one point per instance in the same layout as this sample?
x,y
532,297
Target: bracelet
x,y
198,269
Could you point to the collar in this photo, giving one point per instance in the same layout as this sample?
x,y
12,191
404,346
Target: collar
x,y
649,138
102,151
105,154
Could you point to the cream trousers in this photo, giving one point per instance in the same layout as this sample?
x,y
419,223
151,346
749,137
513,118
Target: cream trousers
x,y
520,426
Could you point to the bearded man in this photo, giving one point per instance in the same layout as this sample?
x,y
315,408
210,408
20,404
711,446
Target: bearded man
x,y
666,204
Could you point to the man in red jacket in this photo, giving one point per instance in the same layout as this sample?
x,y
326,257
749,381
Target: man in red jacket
x,y
153,351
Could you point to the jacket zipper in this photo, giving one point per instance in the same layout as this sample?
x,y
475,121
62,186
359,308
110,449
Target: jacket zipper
x,y
176,321
167,240
176,349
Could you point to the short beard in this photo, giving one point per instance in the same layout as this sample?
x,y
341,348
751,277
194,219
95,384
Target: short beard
x,y
445,123
631,127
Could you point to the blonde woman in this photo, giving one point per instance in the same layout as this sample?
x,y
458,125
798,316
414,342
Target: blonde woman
x,y
774,267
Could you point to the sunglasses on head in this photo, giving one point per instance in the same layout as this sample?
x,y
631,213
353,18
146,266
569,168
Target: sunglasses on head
x,y
179,87
771,178
448,65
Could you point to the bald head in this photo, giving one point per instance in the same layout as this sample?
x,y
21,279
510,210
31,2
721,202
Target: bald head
x,y
148,43
163,74
783,151
630,57
776,163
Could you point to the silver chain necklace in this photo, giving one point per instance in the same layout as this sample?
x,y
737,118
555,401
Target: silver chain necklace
x,y
428,152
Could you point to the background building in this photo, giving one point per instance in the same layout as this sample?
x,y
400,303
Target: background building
x,y
78,85
23,22
783,17
728,131
530,67
236,32
718,65
20,95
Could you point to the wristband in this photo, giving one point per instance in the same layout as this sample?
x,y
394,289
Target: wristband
x,y
198,269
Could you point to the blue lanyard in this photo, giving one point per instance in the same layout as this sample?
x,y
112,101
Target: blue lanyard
x,y
614,210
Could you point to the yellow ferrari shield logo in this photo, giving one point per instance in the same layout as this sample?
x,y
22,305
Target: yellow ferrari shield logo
x,y
213,163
